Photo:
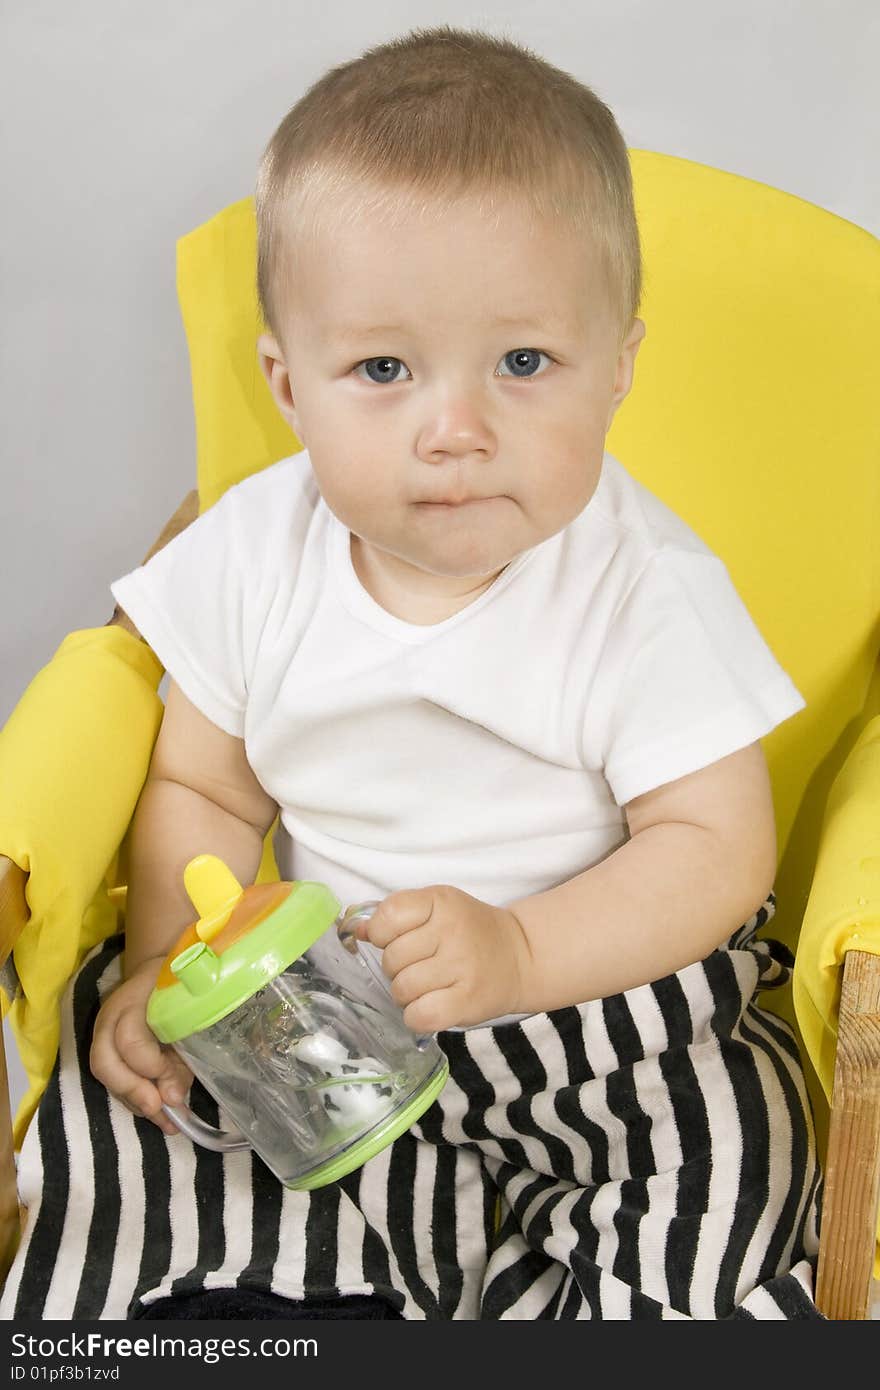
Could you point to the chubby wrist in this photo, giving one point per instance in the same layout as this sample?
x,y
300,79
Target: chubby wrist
x,y
522,960
549,969
144,965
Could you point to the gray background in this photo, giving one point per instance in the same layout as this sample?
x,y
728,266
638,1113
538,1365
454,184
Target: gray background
x,y
124,125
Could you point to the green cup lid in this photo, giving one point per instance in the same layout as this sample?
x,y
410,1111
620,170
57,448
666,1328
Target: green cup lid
x,y
243,939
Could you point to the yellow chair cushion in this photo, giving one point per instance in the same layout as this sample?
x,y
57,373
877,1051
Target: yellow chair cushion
x,y
73,758
238,428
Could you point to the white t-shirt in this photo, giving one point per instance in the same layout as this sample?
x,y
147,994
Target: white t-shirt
x,y
494,750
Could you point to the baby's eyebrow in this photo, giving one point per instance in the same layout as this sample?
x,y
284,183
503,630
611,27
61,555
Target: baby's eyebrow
x,y
346,331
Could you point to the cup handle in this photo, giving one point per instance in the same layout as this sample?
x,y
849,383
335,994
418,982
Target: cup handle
x,y
360,912
220,1140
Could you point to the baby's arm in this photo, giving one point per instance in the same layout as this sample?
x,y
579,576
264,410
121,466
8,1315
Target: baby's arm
x,y
700,861
200,797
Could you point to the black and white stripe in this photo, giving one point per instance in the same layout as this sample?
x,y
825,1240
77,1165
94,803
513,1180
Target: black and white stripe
x,y
649,1155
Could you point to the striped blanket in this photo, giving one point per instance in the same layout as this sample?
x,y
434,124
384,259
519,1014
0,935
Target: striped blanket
x,y
649,1155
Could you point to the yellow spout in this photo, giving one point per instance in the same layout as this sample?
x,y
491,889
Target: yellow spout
x,y
214,892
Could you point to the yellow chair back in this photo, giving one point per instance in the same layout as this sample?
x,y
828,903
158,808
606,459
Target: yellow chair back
x,y
754,416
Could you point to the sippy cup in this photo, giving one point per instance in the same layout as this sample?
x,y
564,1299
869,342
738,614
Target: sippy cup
x,y
288,1021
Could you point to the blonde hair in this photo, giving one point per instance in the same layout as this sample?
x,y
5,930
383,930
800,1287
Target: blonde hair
x,y
441,113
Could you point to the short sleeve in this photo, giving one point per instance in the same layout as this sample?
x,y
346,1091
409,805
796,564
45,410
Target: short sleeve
x,y
686,677
188,603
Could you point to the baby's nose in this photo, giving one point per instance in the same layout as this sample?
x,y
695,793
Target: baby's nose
x,y
458,425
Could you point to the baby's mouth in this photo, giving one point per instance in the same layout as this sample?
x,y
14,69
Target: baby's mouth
x,y
452,503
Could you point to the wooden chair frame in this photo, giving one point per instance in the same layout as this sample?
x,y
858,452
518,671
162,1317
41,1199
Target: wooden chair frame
x,y
852,1165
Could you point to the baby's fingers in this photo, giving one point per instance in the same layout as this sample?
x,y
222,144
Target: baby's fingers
x,y
134,1066
135,1091
398,913
138,1046
146,1057
408,949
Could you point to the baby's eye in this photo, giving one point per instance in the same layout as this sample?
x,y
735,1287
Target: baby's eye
x,y
523,362
381,369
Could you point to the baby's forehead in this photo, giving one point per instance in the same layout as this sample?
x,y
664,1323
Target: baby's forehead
x,y
373,239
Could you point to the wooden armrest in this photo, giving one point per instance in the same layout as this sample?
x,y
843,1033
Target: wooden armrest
x,y
13,906
13,918
848,1229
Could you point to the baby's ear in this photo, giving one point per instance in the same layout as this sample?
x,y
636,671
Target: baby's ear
x,y
626,362
274,369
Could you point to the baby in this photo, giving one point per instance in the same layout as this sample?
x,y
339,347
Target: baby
x,y
488,678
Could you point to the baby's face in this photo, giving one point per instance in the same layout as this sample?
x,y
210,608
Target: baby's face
x,y
453,383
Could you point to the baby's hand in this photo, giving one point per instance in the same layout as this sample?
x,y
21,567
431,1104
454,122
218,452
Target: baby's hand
x,y
127,1057
452,960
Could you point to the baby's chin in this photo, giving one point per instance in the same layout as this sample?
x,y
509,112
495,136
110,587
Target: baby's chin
x,y
456,543
461,561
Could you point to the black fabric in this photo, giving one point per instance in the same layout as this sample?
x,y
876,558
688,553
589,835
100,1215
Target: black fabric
x,y
257,1305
